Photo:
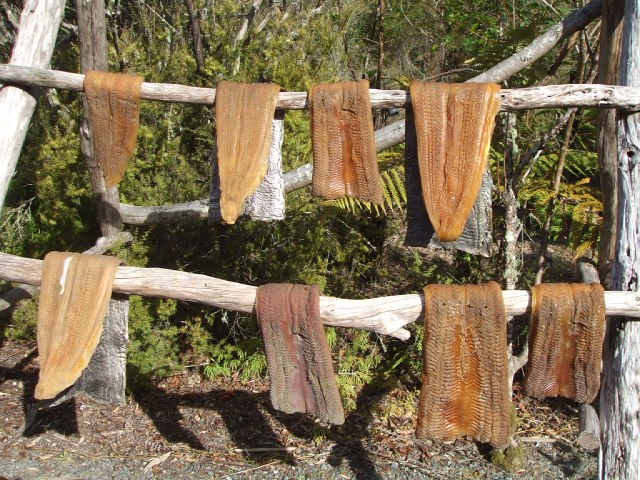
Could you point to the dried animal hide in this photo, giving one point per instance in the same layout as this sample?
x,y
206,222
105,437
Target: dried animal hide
x,y
73,301
298,356
267,202
113,100
244,114
344,146
476,238
454,123
465,381
566,334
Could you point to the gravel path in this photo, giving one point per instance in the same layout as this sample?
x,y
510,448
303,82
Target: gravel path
x,y
191,428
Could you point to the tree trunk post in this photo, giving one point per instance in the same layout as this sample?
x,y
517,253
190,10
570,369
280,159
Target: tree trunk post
x,y
33,47
620,395
92,32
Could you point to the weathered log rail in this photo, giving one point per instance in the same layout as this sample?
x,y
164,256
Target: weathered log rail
x,y
549,96
384,315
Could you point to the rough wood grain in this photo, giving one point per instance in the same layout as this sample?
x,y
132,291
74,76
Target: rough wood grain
x,y
385,315
465,381
548,96
620,395
92,36
344,147
33,46
298,355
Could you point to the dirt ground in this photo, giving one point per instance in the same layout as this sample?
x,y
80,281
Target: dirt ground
x,y
192,427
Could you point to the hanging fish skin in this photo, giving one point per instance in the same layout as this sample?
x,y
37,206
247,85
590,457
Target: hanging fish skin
x,y
465,381
454,123
344,146
298,355
566,333
244,115
73,301
114,111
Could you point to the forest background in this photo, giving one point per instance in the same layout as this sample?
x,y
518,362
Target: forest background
x,y
544,166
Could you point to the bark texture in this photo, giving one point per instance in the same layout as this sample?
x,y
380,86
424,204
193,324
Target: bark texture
x,y
298,356
33,46
465,381
73,302
344,145
566,332
114,110
244,115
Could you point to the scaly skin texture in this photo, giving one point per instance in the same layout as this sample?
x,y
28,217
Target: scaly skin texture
x,y
344,146
566,333
73,302
113,100
244,115
454,123
298,356
465,381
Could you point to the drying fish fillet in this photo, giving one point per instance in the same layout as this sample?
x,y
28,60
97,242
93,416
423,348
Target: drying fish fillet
x,y
298,356
344,146
566,333
454,123
465,381
476,238
113,100
244,113
73,301
267,202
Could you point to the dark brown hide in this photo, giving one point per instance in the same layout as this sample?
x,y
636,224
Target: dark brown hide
x,y
344,145
298,356
566,333
73,302
113,100
454,123
244,116
465,381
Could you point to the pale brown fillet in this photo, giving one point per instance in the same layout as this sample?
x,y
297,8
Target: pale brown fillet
x,y
454,123
113,100
244,115
73,302
566,333
298,356
465,381
344,145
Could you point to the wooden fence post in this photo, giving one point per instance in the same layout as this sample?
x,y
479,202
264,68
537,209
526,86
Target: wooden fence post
x,y
33,47
620,394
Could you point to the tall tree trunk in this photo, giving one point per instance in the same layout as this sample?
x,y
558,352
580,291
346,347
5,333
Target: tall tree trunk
x,y
620,396
380,115
92,32
197,35
610,39
33,47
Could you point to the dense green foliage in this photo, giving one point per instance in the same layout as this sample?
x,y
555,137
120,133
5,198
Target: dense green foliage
x,y
344,247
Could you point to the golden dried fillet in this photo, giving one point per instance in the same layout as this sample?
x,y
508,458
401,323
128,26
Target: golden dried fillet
x,y
298,356
344,145
454,123
113,100
465,381
244,114
73,302
566,333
